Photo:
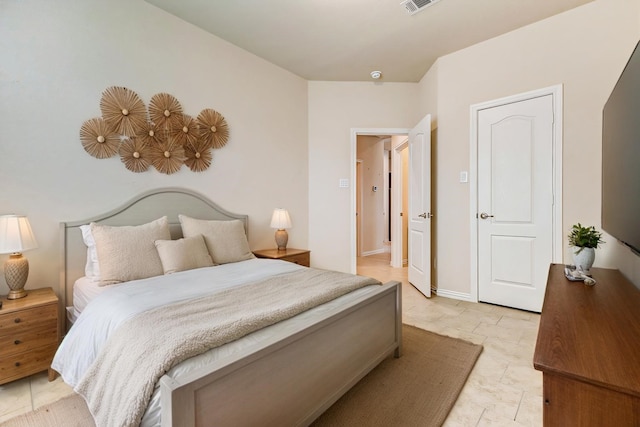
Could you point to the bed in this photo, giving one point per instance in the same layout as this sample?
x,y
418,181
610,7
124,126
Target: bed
x,y
286,373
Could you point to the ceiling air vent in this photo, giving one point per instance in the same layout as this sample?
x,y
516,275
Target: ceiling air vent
x,y
415,6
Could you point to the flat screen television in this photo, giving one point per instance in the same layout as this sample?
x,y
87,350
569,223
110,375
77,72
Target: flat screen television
x,y
621,157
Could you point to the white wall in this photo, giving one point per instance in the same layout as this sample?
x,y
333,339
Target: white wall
x,y
370,150
334,109
584,49
58,57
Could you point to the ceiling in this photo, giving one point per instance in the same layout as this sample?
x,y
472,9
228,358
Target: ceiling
x,y
344,40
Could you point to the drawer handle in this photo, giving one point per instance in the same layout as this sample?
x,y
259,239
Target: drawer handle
x,y
17,320
17,364
16,342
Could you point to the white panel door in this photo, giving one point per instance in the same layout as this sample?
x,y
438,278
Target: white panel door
x,y
515,202
420,206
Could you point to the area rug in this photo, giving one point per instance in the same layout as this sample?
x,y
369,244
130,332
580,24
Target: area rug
x,y
70,411
418,389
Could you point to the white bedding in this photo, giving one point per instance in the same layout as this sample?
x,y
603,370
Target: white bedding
x,y
116,304
84,290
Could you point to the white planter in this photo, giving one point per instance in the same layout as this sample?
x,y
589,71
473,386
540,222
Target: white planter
x,y
584,258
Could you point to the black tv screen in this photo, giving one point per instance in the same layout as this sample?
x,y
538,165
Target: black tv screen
x,y
621,157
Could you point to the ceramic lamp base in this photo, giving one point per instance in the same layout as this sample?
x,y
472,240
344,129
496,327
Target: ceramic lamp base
x,y
16,271
281,239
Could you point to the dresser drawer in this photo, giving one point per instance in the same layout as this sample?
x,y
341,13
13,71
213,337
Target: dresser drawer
x,y
27,319
26,340
28,363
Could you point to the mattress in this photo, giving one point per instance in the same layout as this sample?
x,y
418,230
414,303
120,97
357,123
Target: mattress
x,y
84,290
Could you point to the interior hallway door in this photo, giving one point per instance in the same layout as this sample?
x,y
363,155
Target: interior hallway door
x,y
420,206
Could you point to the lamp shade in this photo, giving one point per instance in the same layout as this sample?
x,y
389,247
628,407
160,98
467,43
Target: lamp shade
x,y
16,234
280,219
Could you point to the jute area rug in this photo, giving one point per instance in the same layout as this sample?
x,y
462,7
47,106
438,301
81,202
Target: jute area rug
x,y
418,389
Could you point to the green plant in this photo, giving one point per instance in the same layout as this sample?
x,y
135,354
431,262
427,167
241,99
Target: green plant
x,y
584,237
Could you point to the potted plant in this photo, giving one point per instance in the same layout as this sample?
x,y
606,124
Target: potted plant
x,y
584,240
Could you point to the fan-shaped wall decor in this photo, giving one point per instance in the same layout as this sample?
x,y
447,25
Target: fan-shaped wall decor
x,y
165,110
198,156
135,154
186,130
164,137
213,128
150,134
99,139
167,157
123,109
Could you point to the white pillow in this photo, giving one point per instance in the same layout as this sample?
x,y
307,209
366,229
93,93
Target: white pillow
x,y
226,240
183,254
129,252
92,267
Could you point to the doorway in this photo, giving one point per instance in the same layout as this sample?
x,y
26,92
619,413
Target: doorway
x,y
388,132
419,210
516,149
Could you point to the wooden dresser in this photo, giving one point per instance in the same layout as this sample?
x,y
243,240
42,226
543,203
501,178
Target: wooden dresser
x,y
29,334
588,350
297,256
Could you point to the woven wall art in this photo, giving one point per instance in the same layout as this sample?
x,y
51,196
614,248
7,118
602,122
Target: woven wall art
x,y
161,136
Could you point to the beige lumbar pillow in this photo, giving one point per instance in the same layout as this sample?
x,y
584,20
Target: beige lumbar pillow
x,y
129,252
183,254
225,240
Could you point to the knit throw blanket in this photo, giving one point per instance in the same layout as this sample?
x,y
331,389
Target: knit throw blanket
x,y
119,384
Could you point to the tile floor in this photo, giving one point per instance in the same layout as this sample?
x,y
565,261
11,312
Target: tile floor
x,y
503,388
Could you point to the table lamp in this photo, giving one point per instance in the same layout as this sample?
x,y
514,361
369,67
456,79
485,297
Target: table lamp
x,y
15,237
281,221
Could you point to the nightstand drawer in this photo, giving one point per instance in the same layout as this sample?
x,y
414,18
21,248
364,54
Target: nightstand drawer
x,y
27,340
24,320
23,364
301,259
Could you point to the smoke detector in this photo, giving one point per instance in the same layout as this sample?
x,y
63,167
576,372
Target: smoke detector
x,y
415,6
376,75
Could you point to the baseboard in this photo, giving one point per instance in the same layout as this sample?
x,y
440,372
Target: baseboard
x,y
454,295
374,252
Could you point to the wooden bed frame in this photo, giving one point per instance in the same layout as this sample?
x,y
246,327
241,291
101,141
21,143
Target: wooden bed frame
x,y
289,379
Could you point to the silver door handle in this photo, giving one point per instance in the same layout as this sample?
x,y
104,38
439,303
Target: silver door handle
x,y
424,215
485,215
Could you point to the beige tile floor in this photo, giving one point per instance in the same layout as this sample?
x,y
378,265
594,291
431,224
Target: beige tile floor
x,y
503,388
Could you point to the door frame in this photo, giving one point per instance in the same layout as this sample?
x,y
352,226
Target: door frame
x,y
556,93
359,201
352,161
397,190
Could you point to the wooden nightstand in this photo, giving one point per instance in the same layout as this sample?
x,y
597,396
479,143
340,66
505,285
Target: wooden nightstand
x,y
29,334
297,256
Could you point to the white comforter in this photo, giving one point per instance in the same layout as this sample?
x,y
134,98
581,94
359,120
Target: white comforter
x,y
118,303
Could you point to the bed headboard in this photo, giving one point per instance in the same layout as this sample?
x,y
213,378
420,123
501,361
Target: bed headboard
x,y
142,209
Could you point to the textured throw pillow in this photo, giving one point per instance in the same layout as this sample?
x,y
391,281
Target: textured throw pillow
x,y
183,254
92,267
129,252
226,240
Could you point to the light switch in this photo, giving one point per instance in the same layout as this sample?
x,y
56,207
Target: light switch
x,y
464,176
343,183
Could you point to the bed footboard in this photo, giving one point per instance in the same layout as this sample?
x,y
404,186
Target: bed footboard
x,y
290,379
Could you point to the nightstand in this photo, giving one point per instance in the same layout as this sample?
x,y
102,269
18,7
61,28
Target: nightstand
x,y
297,256
29,334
